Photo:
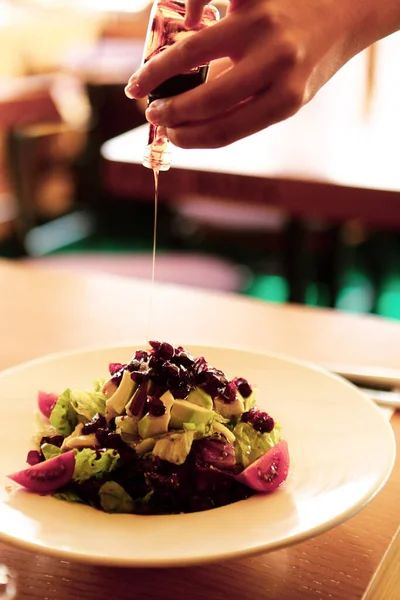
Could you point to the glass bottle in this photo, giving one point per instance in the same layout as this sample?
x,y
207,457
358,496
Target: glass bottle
x,y
166,26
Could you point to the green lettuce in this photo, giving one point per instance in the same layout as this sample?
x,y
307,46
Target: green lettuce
x,y
87,404
68,497
88,465
63,417
76,406
251,444
50,451
114,499
98,384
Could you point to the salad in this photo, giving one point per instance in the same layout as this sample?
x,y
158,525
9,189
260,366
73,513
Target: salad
x,y
165,433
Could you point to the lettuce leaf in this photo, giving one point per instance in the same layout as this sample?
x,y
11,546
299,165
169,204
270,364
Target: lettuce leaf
x,y
68,497
76,406
114,499
63,417
87,404
42,429
251,444
98,384
50,451
88,464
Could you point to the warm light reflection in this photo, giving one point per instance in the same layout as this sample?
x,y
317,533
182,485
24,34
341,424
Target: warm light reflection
x,y
115,5
18,525
128,6
311,512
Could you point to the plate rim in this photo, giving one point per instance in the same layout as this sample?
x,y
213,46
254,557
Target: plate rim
x,y
136,562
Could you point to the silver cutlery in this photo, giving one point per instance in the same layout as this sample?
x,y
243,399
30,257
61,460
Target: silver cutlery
x,y
380,384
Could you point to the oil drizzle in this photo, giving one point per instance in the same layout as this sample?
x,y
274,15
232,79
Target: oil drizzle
x,y
156,173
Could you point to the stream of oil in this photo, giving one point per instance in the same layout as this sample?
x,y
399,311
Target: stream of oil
x,y
153,268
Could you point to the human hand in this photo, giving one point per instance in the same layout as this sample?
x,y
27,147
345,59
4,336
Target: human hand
x,y
280,54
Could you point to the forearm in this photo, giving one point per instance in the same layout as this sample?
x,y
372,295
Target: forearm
x,y
371,20
357,24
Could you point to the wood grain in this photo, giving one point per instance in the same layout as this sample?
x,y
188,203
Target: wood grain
x,y
386,581
41,312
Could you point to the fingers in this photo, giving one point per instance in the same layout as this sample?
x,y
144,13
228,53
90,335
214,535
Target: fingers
x,y
199,49
238,84
217,67
271,106
194,12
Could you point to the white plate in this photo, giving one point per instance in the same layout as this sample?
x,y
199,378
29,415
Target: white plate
x,y
342,451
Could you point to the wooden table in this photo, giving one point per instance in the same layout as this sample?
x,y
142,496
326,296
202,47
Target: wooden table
x,y
42,311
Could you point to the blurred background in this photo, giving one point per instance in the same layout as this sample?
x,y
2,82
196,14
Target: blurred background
x,y
63,68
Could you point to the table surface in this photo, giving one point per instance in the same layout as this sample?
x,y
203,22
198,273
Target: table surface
x,y
43,311
335,141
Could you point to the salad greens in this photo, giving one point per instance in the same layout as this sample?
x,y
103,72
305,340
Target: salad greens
x,y
89,465
166,433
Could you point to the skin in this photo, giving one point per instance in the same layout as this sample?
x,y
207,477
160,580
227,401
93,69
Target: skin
x,y
272,58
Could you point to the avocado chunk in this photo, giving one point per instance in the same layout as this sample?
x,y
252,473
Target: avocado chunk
x,y
175,447
109,388
229,409
186,412
127,427
115,405
150,426
201,398
144,446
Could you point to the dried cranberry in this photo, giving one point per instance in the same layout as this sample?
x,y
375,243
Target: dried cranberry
x,y
101,436
246,416
134,366
183,358
98,422
171,369
181,391
33,458
155,345
139,400
243,386
186,376
114,441
200,365
108,440
166,351
155,406
55,440
212,381
117,377
115,367
261,421
141,355
229,393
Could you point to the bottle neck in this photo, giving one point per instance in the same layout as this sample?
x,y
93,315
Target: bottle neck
x,y
158,150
